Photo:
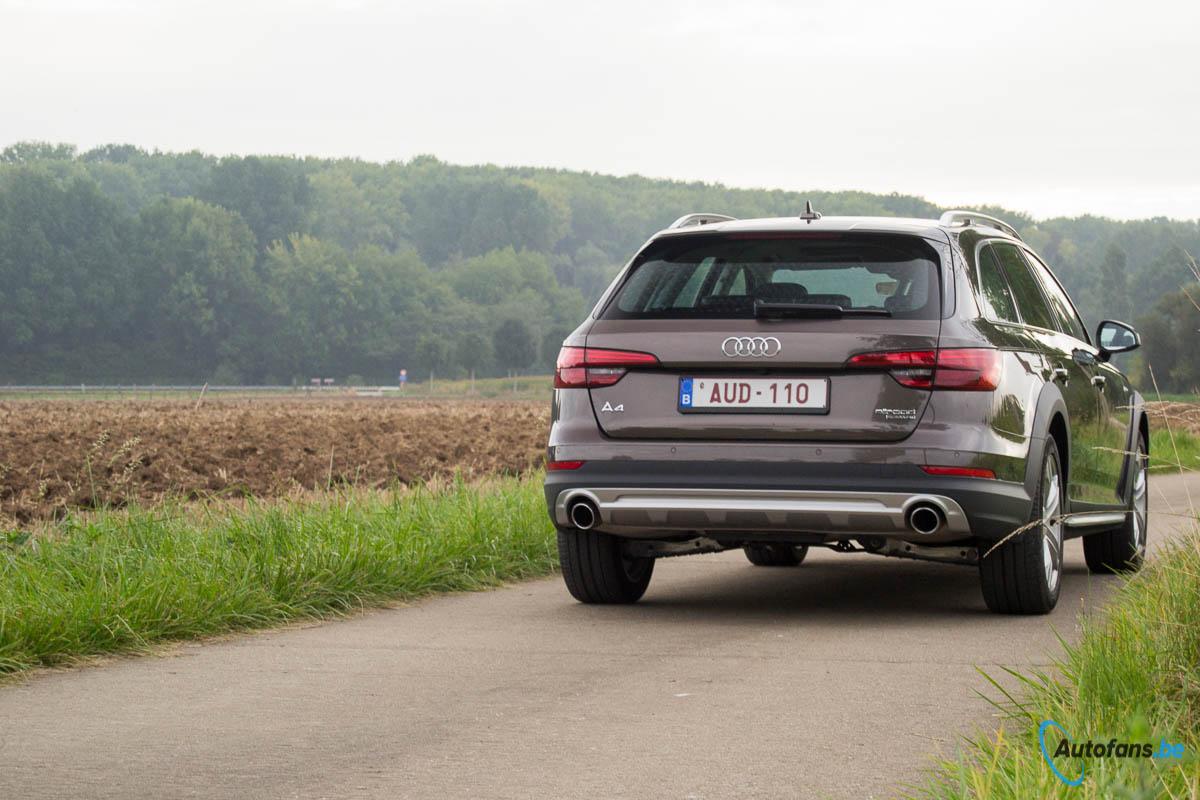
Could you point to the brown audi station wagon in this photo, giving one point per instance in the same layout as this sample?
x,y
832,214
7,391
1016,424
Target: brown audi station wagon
x,y
905,387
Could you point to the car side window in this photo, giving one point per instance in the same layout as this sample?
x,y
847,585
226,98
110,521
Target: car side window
x,y
994,294
1030,300
1064,312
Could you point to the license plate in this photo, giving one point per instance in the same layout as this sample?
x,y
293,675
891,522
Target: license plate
x,y
762,395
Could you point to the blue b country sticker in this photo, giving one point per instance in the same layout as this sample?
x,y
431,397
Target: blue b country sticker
x,y
685,393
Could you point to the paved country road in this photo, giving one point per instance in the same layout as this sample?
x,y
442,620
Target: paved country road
x,y
836,679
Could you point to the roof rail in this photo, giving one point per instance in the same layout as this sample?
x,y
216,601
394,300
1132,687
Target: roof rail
x,y
952,219
688,220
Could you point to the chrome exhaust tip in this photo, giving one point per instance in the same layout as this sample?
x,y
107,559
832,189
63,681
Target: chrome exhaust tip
x,y
925,519
583,514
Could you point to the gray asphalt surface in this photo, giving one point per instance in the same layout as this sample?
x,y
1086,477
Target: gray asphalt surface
x,y
837,679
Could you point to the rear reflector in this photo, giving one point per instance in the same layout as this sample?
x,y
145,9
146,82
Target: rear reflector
x,y
554,466
965,369
959,472
593,367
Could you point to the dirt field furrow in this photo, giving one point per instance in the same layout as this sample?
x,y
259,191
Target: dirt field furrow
x,y
59,455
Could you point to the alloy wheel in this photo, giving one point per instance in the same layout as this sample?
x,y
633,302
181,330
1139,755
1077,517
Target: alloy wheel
x,y
1141,506
1052,525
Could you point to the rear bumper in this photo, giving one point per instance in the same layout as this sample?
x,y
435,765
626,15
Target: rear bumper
x,y
648,499
646,512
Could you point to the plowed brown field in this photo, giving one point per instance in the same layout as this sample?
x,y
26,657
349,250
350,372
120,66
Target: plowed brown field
x,y
61,454
1179,416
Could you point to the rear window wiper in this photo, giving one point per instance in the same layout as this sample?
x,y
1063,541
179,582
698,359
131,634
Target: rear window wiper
x,y
813,311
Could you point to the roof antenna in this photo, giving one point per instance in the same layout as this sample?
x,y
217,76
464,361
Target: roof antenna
x,y
809,214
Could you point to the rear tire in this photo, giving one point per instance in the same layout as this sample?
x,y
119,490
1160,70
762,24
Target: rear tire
x,y
1123,549
1024,575
775,555
596,570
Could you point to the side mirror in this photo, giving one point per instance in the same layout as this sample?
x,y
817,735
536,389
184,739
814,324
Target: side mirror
x,y
1116,337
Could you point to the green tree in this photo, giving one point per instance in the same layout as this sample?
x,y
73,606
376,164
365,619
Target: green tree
x,y
434,354
493,278
65,278
1114,281
344,212
272,195
114,153
1169,337
514,344
199,284
316,295
120,183
474,352
32,152
400,302
468,212
1163,275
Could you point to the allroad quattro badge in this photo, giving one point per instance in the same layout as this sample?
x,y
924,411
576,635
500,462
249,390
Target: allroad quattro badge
x,y
897,413
751,346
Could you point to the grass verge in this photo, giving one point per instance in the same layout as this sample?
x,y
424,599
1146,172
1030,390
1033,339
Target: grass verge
x,y
1134,676
122,581
1163,450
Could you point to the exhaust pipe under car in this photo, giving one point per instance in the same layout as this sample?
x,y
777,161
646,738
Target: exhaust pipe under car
x,y
925,519
583,514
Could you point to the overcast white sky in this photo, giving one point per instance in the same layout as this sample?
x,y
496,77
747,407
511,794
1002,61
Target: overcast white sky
x,y
1047,107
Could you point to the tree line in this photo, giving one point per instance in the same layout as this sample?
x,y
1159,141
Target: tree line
x,y
122,265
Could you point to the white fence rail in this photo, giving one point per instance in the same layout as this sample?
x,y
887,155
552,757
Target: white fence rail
x,y
453,388
127,387
99,388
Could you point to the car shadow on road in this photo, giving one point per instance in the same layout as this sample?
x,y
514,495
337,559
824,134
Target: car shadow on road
x,y
886,591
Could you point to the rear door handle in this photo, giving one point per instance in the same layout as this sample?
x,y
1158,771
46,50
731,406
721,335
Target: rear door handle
x,y
1099,380
1061,374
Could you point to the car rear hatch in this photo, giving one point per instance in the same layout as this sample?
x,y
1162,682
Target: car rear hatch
x,y
828,337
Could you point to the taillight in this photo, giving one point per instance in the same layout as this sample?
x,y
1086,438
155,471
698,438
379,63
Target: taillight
x,y
593,367
965,369
968,369
911,368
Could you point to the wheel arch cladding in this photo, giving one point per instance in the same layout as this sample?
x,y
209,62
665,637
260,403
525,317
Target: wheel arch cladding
x,y
1061,435
1051,423
1139,427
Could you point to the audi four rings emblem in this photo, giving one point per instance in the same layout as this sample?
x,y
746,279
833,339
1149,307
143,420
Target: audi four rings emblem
x,y
752,346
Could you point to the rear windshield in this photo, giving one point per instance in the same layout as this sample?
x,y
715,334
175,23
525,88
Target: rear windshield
x,y
710,276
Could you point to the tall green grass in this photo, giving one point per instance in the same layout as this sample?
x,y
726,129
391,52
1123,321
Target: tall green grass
x,y
1166,444
121,581
1134,676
